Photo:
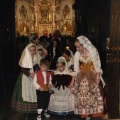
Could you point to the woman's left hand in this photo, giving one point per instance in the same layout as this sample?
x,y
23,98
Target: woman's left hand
x,y
98,78
97,81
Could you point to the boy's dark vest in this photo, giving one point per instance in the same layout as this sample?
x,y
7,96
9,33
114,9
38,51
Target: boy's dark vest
x,y
40,79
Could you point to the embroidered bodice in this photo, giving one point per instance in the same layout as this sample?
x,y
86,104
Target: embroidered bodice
x,y
86,64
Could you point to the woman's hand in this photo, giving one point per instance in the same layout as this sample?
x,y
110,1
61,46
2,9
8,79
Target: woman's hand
x,y
31,75
98,78
98,81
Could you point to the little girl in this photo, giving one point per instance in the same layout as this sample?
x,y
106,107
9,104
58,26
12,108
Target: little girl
x,y
24,96
67,54
61,101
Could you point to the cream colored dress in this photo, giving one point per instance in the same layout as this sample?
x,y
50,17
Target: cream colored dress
x,y
61,101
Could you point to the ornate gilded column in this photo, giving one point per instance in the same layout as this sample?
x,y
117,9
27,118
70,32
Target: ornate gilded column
x,y
114,62
36,2
53,10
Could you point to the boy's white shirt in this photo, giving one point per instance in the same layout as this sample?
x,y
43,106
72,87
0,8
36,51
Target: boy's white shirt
x,y
37,86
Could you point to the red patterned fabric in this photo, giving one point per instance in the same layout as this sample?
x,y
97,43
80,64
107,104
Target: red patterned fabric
x,y
40,78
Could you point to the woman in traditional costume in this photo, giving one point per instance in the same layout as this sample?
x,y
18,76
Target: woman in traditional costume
x,y
24,96
88,95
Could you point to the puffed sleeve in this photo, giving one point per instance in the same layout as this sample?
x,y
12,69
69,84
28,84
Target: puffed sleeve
x,y
97,62
76,62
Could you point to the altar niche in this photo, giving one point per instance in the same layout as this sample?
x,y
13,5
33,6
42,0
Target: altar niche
x,y
44,17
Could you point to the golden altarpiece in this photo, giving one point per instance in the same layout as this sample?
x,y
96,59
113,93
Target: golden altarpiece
x,y
44,16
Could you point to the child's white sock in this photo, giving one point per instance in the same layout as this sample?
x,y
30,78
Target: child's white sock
x,y
39,111
39,114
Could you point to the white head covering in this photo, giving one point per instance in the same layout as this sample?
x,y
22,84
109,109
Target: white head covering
x,y
26,58
92,52
31,38
62,60
71,53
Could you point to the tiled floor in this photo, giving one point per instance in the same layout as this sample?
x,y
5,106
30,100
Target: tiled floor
x,y
11,115
7,114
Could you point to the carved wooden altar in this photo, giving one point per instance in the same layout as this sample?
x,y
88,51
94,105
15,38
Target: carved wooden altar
x,y
44,16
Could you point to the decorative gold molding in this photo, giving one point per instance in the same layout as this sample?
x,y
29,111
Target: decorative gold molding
x,y
44,16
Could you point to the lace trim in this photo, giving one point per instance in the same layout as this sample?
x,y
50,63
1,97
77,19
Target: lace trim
x,y
85,60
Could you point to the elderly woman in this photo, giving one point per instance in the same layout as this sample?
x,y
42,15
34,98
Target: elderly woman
x,y
88,97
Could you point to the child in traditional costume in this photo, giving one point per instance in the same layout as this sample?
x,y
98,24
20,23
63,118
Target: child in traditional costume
x,y
62,100
88,95
42,83
24,97
68,55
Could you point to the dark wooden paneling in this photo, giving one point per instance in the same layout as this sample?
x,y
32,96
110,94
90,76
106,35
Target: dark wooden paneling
x,y
114,61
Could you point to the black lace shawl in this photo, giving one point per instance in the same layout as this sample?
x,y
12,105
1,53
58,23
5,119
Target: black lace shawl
x,y
63,80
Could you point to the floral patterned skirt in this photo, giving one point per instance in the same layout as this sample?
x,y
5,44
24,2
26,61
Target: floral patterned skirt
x,y
88,99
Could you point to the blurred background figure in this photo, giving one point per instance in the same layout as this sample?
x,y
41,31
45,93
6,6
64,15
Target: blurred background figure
x,y
41,53
61,41
53,53
69,59
35,39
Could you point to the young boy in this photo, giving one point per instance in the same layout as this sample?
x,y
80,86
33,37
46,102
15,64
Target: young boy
x,y
42,82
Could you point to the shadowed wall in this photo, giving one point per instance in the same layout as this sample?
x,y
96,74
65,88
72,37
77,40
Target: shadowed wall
x,y
114,61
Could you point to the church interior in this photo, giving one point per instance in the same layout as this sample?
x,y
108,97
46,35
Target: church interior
x,y
44,17
98,20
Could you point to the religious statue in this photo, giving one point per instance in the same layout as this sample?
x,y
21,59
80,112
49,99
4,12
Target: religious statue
x,y
32,28
32,17
24,30
57,27
23,12
64,29
57,2
66,11
44,10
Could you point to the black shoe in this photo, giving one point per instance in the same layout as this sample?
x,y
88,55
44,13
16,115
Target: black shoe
x,y
39,117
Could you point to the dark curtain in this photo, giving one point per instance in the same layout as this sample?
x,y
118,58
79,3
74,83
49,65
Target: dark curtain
x,y
7,49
